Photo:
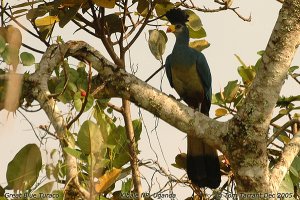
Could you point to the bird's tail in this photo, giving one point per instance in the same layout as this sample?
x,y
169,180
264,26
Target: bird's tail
x,y
203,165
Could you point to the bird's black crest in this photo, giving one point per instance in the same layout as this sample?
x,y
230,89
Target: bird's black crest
x,y
177,16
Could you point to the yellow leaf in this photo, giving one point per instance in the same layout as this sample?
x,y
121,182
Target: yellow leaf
x,y
199,45
221,112
283,112
45,21
105,3
107,180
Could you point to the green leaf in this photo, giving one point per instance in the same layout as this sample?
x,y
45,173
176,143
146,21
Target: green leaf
x,y
78,101
2,43
127,186
113,24
247,74
23,171
199,45
194,20
35,13
90,138
68,15
157,43
286,186
143,7
59,194
27,58
240,60
197,34
293,68
44,189
137,127
230,91
73,152
162,8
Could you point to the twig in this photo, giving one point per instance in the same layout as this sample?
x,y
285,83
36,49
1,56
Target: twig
x,y
152,75
223,7
32,49
141,28
278,132
114,107
136,176
31,126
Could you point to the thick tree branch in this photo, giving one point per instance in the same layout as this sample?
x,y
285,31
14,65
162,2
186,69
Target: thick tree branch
x,y
253,119
119,83
41,93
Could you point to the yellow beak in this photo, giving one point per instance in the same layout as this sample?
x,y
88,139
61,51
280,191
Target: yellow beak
x,y
171,29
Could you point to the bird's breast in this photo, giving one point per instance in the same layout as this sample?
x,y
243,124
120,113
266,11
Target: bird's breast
x,y
187,83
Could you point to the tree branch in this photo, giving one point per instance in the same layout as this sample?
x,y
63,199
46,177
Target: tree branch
x,y
119,83
289,152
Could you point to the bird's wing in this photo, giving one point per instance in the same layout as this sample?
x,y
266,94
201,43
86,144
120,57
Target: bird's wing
x,y
205,76
168,70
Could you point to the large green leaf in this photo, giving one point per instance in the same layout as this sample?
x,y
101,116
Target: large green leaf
x,y
230,91
157,43
162,7
43,191
27,58
23,171
194,20
90,138
286,188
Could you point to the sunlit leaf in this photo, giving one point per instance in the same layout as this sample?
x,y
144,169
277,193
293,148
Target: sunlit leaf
x,y
201,33
2,43
230,91
162,8
23,171
90,138
27,59
194,20
199,45
287,187
221,112
157,43
47,20
105,3
73,152
44,189
107,180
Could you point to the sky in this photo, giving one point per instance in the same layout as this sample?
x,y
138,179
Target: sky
x,y
227,34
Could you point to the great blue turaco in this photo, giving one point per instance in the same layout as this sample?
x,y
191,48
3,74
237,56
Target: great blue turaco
x,y
189,74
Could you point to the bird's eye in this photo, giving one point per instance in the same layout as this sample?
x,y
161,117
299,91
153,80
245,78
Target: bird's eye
x,y
177,26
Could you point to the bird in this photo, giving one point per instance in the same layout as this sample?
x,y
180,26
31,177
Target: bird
x,y
189,74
